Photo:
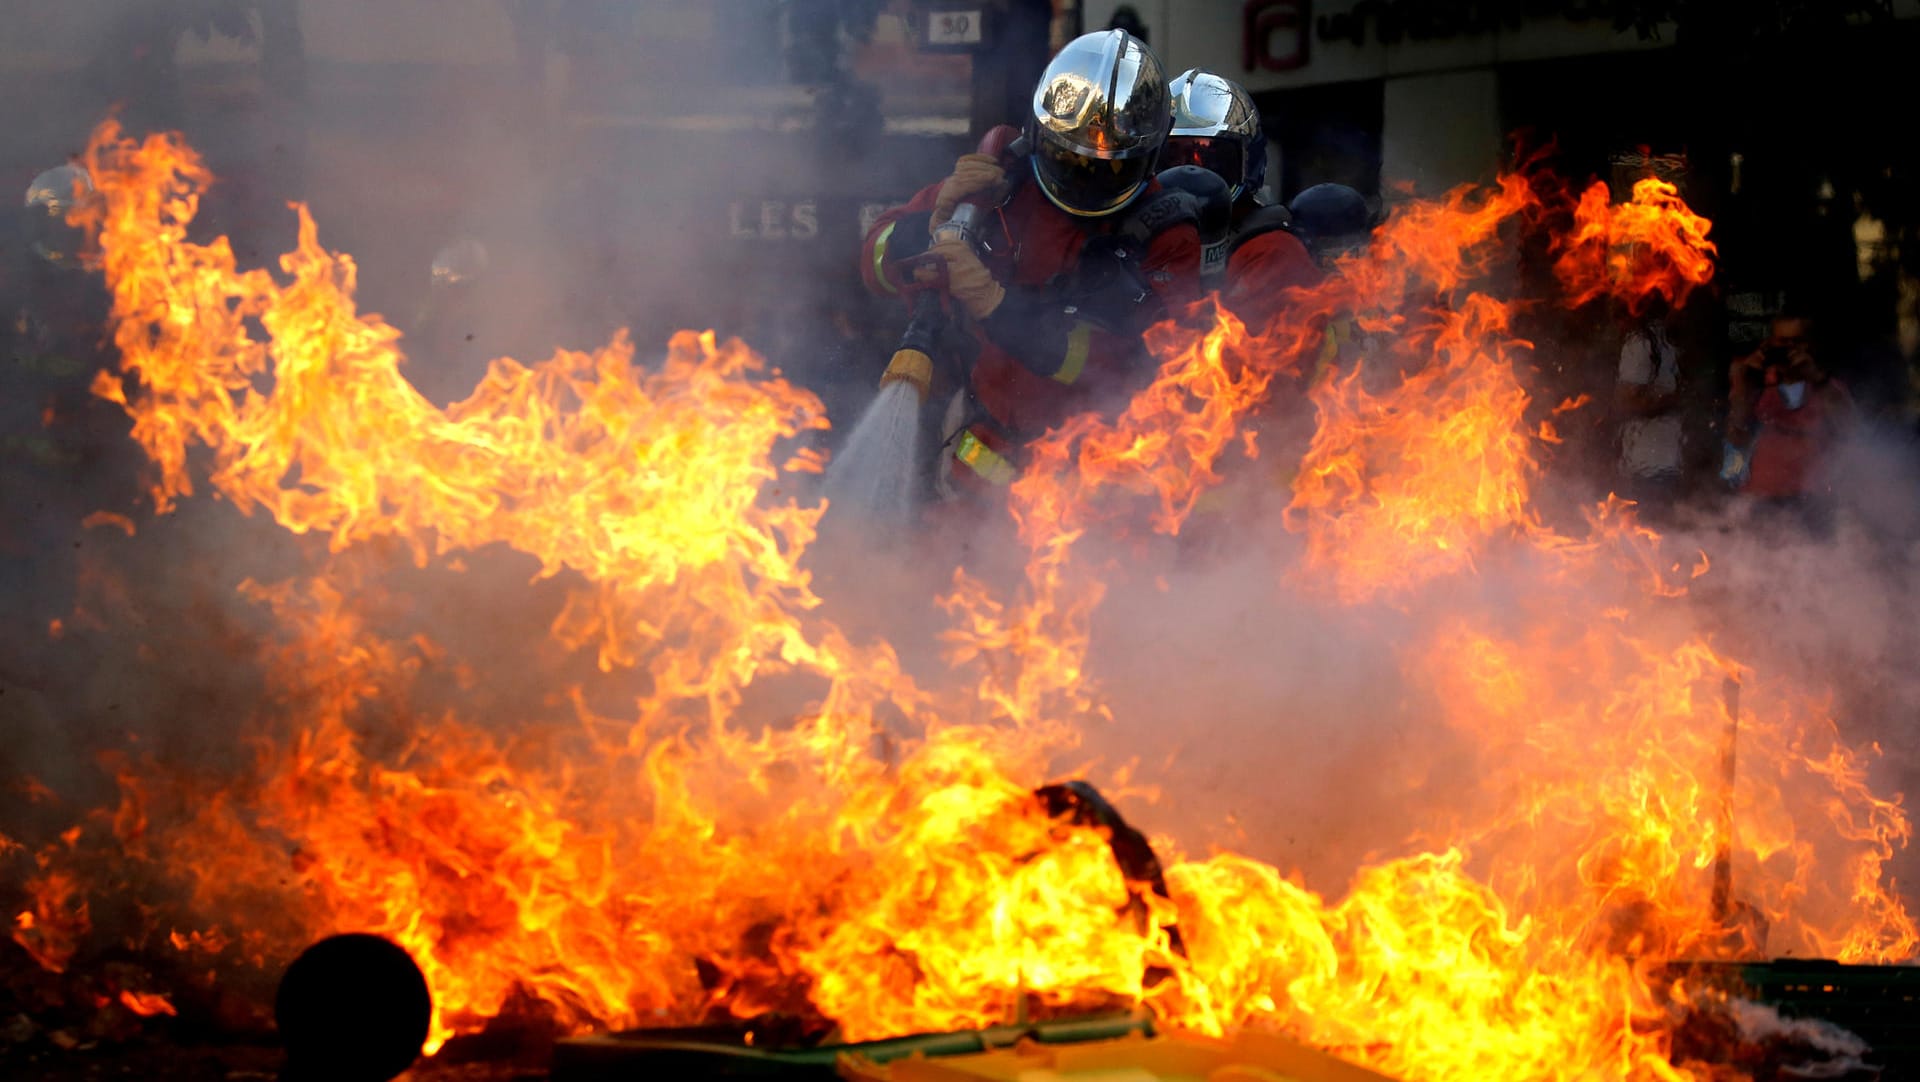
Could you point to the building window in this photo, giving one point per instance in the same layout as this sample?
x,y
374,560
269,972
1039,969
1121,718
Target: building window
x,y
1325,134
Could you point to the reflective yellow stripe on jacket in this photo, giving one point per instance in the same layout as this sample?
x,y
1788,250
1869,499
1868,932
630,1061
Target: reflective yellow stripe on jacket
x,y
983,460
880,258
1079,344
1339,335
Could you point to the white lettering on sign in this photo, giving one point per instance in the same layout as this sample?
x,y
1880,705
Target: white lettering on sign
x,y
806,222
773,219
953,28
773,224
869,214
736,224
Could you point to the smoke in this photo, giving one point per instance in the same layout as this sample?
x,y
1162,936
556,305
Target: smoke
x,y
1841,1054
1229,701
1252,713
1828,603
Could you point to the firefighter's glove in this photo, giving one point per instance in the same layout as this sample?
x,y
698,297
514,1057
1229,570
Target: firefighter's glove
x,y
977,178
968,280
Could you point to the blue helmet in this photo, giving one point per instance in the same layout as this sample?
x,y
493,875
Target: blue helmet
x,y
1328,216
1207,194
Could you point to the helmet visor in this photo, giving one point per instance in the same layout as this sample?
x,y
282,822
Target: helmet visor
x,y
1224,158
1080,184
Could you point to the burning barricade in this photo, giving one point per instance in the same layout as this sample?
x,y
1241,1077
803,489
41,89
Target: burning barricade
x,y
685,796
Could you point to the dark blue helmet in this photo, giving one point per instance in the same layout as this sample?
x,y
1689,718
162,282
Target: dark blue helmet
x,y
1332,216
1213,200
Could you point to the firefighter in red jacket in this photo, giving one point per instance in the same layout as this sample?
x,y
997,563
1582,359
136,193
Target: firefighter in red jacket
x,y
1078,252
1216,127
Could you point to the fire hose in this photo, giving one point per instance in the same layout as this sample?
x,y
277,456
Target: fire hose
x,y
912,361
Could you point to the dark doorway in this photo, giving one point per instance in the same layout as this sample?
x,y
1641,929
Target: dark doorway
x,y
1326,134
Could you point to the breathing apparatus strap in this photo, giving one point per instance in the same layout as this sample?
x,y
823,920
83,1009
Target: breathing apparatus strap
x,y
1268,219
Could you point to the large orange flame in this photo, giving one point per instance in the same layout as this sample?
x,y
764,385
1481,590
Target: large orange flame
x,y
777,819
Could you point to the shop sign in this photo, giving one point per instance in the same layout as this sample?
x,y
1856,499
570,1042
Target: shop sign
x,y
785,221
1275,34
773,220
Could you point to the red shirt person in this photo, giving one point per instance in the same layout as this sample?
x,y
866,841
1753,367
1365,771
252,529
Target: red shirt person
x,y
1081,251
1791,410
1800,418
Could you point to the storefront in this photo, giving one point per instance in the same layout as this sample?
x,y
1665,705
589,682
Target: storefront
x,y
1795,144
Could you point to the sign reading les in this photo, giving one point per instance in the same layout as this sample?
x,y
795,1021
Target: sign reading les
x,y
775,220
1273,34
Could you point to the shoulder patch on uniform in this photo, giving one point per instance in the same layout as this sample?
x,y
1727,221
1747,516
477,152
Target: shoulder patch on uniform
x,y
1165,209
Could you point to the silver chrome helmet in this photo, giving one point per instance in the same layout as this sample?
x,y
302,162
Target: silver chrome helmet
x,y
1100,117
1216,126
50,197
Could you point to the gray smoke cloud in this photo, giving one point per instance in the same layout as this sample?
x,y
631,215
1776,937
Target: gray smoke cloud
x,y
1832,608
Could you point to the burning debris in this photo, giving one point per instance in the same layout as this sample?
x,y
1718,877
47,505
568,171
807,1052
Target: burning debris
x,y
741,813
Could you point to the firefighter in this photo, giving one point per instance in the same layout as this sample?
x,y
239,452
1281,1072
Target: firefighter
x,y
1216,127
53,336
1334,221
1080,251
1252,263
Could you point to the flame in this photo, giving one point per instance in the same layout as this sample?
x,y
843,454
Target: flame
x,y
1607,810
53,927
1653,244
775,819
1404,487
147,1004
109,518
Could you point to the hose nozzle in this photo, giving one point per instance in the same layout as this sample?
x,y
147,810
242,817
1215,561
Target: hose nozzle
x,y
910,366
964,224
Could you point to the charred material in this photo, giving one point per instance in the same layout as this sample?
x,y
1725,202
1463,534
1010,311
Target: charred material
x,y
1799,1018
1080,803
352,1008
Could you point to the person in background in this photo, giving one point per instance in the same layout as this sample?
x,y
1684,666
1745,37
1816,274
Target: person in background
x,y
1646,401
1216,127
1790,338
1792,413
1253,265
1334,221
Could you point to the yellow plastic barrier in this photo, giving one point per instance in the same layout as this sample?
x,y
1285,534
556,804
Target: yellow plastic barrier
x,y
1170,1057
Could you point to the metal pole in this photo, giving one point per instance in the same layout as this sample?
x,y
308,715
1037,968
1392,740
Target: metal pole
x,y
1723,857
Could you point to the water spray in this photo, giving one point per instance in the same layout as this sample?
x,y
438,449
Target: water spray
x,y
875,472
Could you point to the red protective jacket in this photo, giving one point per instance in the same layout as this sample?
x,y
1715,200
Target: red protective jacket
x,y
1259,270
1041,359
1787,453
